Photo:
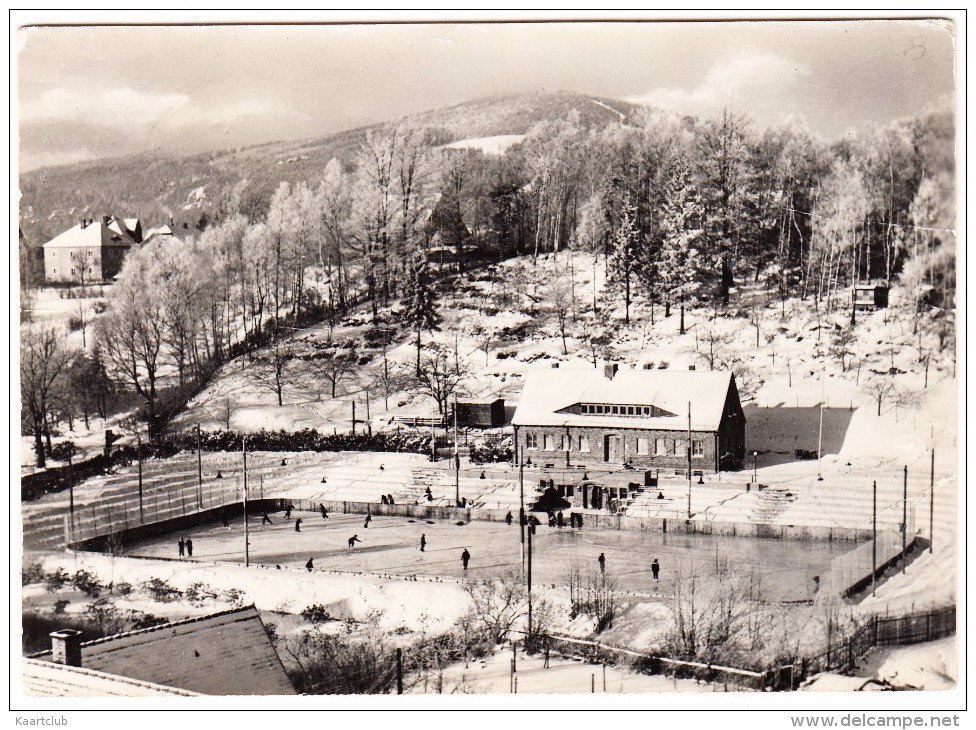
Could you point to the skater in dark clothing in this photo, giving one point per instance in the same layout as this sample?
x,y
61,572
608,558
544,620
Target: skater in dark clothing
x,y
369,518
189,548
383,499
265,520
552,520
226,523
288,510
382,468
182,545
219,475
423,542
532,527
284,463
325,515
298,525
353,540
465,557
603,563
559,520
655,569
308,565
389,499
508,518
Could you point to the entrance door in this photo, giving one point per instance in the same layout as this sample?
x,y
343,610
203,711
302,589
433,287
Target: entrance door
x,y
611,448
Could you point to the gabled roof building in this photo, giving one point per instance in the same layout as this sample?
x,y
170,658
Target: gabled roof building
x,y
646,419
90,252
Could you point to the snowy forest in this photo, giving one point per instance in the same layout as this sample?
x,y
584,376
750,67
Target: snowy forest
x,y
676,213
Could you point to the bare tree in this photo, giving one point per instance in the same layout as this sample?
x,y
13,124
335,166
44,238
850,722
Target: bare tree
x,y
879,387
497,603
43,360
268,370
437,378
333,364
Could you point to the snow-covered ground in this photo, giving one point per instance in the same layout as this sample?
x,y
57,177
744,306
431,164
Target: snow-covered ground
x,y
493,674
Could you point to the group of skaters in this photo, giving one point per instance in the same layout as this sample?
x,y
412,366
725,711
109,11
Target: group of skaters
x,y
186,547
556,519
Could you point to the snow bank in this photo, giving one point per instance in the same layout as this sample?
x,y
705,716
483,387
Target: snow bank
x,y
390,604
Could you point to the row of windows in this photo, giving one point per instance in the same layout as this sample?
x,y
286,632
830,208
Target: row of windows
x,y
74,254
662,446
73,271
608,410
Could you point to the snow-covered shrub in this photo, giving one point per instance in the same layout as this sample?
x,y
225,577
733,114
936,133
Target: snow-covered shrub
x,y
56,580
60,605
33,573
161,591
316,614
122,588
87,583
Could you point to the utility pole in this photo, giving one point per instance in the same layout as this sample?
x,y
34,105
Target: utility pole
x,y
457,458
247,544
932,502
529,580
820,434
139,458
354,418
904,520
522,505
689,460
874,535
199,471
433,441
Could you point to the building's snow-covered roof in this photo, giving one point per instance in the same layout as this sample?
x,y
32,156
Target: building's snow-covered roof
x,y
163,230
226,653
94,234
47,679
547,391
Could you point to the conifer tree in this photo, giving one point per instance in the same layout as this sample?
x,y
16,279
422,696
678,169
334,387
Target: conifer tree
x,y
420,302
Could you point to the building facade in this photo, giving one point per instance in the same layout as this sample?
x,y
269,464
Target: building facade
x,y
638,418
91,252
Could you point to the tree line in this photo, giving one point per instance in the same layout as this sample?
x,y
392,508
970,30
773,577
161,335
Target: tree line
x,y
677,210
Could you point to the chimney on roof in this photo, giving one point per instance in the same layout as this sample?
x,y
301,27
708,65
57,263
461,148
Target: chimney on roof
x,y
609,370
648,366
555,366
84,223
186,225
171,223
66,647
106,219
691,367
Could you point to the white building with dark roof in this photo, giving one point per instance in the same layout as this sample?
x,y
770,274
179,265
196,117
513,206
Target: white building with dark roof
x,y
591,418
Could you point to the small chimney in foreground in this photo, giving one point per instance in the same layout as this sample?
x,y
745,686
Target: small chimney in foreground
x,y
609,370
66,647
691,367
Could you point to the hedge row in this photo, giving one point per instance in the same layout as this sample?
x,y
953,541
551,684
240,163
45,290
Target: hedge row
x,y
305,440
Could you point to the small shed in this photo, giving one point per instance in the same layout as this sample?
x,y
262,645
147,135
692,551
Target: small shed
x,y
870,296
481,413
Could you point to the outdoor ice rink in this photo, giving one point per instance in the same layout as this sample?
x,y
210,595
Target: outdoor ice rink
x,y
391,545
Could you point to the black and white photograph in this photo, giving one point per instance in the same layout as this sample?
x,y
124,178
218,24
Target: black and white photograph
x,y
501,362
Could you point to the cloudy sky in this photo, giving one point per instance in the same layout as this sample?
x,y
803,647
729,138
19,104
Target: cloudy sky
x,y
88,92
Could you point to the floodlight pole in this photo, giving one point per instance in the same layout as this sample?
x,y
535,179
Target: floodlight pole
x,y
247,552
874,535
457,457
529,581
820,434
139,459
199,471
932,502
904,520
522,505
689,460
